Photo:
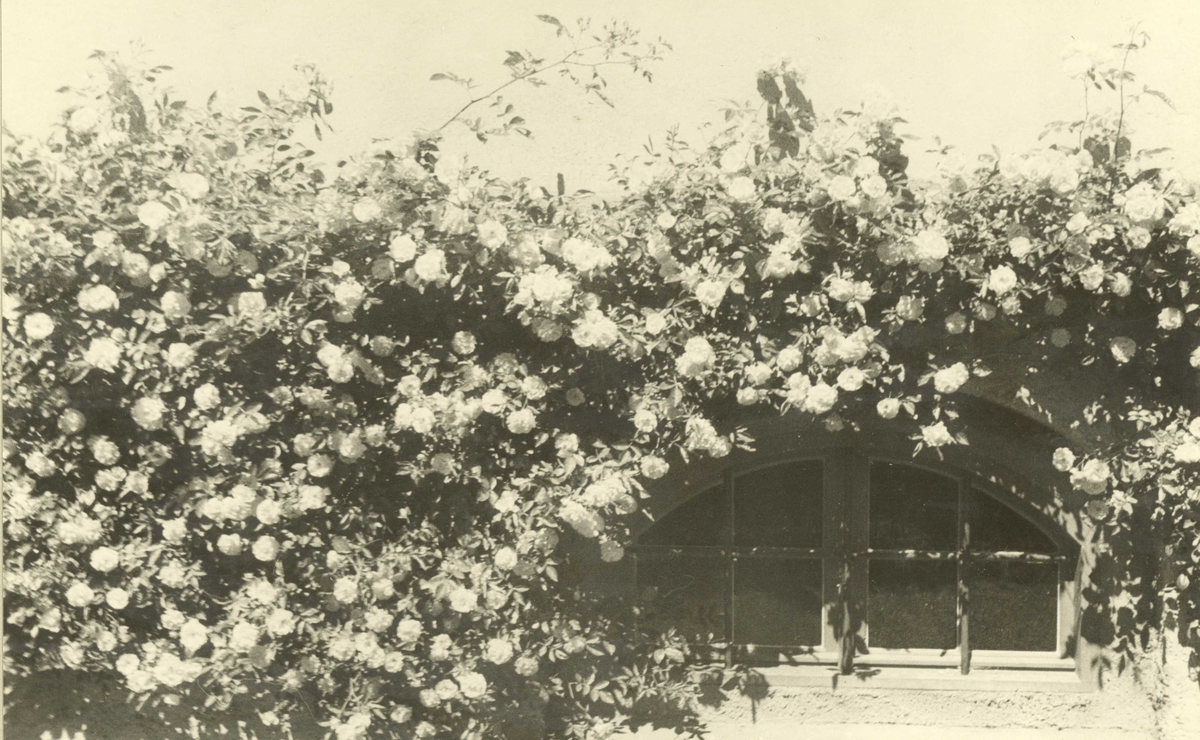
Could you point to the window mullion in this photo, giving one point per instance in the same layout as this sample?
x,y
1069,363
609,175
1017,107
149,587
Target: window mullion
x,y
964,592
853,471
831,539
845,468
729,570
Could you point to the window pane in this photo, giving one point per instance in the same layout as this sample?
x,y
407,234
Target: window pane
x,y
779,506
912,509
777,602
1014,606
995,527
686,592
701,520
912,604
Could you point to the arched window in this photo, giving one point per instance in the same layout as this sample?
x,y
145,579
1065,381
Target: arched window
x,y
844,557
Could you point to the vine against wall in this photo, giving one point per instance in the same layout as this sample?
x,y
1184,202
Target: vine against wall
x,y
305,440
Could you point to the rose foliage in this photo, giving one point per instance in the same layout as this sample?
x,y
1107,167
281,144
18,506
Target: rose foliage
x,y
324,439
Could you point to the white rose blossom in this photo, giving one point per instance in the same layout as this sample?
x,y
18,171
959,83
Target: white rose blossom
x,y
117,598
1063,459
154,215
1170,319
230,544
1188,452
40,465
874,187
841,188
819,399
38,326
431,266
1078,223
697,358
1142,204
1092,477
654,467
104,559
595,330
930,246
243,636
103,354
491,234
473,685
207,397
148,413
193,635
936,435
1002,279
788,359
585,256
950,379
402,248
180,355
266,548
522,421
281,622
851,379
1019,246
656,322
741,188
505,558
408,631
498,651
463,600
366,210
345,590
711,292
80,595
192,184
1123,349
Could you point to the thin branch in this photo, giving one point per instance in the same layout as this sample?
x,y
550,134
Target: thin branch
x,y
1086,112
593,65
533,73
1121,89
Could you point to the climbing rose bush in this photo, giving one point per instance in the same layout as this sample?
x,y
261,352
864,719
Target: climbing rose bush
x,y
332,440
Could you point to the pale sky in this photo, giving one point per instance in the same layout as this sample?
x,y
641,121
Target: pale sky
x,y
974,73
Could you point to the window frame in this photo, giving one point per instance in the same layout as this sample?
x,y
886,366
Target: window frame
x,y
845,556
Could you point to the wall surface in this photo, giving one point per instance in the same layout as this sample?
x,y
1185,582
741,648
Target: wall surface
x,y
1128,707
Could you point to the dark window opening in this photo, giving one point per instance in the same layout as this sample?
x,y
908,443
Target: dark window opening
x,y
757,568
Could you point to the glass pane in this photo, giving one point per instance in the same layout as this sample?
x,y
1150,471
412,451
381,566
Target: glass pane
x,y
779,506
777,602
912,509
995,527
686,592
912,604
1014,606
701,520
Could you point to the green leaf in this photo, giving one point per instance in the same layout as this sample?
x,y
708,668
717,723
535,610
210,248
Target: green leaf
x,y
1160,95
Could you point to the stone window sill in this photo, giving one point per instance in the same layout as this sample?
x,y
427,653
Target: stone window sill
x,y
1052,678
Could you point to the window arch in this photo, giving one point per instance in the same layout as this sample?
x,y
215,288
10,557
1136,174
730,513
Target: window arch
x,y
846,558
